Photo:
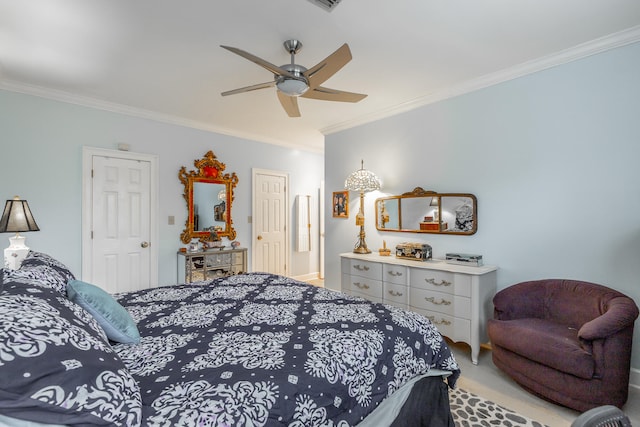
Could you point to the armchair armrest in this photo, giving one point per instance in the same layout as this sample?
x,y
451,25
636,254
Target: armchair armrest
x,y
621,313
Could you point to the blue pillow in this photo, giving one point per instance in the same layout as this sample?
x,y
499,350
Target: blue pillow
x,y
114,318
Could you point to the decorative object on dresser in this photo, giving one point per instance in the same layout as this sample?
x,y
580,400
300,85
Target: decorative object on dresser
x,y
456,298
363,181
16,218
414,251
210,264
203,188
421,211
464,259
583,334
384,251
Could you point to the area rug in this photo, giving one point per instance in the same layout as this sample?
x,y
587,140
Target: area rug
x,y
469,410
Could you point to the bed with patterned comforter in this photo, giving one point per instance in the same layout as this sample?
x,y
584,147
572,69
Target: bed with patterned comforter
x,y
248,350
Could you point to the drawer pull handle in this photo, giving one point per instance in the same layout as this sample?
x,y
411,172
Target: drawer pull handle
x,y
432,300
361,286
442,283
395,293
395,273
439,322
361,268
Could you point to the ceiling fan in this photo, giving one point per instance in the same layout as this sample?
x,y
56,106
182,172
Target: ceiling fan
x,y
293,80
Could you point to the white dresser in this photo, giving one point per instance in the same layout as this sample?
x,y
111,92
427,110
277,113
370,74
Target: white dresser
x,y
456,298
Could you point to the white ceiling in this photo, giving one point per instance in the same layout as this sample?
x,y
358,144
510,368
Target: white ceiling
x,y
161,58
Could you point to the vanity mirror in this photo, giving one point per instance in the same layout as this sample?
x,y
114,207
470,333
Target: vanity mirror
x,y
209,195
421,211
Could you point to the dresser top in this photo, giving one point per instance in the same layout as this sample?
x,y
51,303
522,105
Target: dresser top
x,y
432,264
212,251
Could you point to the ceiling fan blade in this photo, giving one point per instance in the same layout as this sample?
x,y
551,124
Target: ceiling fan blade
x,y
326,68
249,88
290,104
326,94
261,62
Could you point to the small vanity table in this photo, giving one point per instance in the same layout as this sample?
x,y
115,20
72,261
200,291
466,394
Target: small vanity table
x,y
209,264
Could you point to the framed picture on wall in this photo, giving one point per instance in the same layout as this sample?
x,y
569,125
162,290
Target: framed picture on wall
x,y
341,204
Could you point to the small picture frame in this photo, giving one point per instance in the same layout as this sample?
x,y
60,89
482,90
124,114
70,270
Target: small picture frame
x,y
340,204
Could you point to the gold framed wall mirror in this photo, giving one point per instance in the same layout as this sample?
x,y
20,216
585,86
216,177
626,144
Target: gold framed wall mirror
x,y
209,193
421,211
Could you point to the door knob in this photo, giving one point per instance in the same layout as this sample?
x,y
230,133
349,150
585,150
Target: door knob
x,y
144,244
259,237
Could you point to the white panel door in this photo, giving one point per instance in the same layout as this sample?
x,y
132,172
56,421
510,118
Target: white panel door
x,y
120,224
270,250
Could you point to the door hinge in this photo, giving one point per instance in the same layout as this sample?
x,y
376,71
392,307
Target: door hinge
x,y
91,173
92,234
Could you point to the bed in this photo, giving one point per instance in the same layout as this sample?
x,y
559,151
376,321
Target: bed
x,y
248,350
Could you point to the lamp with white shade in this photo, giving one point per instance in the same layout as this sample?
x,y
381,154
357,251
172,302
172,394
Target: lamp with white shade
x,y
17,217
363,181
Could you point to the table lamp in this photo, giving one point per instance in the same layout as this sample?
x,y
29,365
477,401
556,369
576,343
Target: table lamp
x,y
363,181
16,218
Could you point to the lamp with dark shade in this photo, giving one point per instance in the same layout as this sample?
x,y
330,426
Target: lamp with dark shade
x,y
363,181
17,217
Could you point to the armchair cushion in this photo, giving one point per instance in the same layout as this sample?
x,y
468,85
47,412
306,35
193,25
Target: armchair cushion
x,y
549,343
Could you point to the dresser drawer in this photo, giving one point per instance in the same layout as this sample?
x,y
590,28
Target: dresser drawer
x,y
237,258
368,288
441,281
441,302
395,294
395,274
365,296
454,328
371,270
218,260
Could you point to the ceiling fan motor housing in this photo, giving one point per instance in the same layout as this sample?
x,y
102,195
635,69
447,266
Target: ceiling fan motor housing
x,y
293,86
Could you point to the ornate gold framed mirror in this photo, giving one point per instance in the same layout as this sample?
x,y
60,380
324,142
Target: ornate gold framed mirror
x,y
209,193
421,211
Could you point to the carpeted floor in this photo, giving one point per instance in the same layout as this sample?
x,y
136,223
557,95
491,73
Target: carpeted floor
x,y
470,410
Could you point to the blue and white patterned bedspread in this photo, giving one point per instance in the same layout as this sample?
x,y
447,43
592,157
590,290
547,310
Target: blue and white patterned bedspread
x,y
259,349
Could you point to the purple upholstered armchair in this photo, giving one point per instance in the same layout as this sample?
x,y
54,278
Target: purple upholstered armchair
x,y
564,340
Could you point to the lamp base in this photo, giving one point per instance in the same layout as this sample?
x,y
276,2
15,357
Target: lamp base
x,y
361,246
15,253
361,250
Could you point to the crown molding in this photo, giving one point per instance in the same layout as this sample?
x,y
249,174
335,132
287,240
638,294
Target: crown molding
x,y
612,41
69,98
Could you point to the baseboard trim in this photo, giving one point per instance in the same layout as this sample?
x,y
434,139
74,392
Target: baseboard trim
x,y
634,378
306,277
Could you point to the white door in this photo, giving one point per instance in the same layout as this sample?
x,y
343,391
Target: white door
x,y
270,219
119,255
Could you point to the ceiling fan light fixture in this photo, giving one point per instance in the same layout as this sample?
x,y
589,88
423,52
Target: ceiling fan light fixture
x,y
292,87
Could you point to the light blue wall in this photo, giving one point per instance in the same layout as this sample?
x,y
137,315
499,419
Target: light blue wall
x,y
42,162
552,157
